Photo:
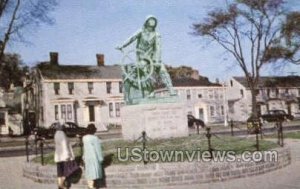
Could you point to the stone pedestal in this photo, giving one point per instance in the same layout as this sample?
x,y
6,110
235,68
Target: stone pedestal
x,y
163,120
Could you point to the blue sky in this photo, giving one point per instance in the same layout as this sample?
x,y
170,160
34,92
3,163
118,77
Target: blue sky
x,y
83,28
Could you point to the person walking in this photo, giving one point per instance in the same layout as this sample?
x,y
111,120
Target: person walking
x,y
92,157
63,153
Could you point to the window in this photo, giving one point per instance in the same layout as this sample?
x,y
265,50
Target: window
x,y
42,113
92,113
120,87
188,94
69,112
298,92
268,92
117,109
216,94
231,107
63,111
242,92
90,87
71,87
56,112
108,87
2,118
210,94
199,95
256,92
277,92
286,91
212,111
222,110
110,107
56,88
231,83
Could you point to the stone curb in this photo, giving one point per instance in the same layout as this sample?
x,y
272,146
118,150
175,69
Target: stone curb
x,y
167,174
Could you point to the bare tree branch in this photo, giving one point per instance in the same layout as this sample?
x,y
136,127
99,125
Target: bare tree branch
x,y
9,29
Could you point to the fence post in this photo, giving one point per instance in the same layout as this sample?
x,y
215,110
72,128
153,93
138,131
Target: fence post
x,y
35,143
42,150
144,140
231,126
256,126
208,135
81,145
280,133
26,148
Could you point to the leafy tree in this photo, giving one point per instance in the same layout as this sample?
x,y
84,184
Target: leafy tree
x,y
18,16
255,33
12,71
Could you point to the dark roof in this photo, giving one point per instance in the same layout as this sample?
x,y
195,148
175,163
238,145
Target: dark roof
x,y
273,81
190,82
49,71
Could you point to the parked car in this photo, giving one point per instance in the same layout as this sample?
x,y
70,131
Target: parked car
x,y
71,130
192,121
276,115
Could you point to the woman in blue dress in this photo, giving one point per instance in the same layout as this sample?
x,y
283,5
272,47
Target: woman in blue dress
x,y
92,156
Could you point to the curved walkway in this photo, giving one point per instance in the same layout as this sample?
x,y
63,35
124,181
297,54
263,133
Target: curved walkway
x,y
285,178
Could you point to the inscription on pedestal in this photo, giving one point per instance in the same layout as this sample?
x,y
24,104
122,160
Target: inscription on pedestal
x,y
159,121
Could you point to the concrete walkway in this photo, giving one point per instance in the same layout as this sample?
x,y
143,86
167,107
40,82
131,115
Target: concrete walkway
x,y
285,178
11,175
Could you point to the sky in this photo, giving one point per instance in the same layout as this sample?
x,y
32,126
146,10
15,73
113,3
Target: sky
x,y
84,28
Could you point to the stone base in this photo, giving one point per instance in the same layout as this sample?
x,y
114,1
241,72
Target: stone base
x,y
163,120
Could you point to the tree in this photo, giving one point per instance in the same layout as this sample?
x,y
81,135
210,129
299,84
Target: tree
x,y
255,33
17,16
12,71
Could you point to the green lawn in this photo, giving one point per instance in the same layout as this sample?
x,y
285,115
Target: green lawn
x,y
292,135
12,144
191,143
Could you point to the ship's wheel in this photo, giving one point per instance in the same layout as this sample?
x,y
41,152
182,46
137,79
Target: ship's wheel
x,y
137,71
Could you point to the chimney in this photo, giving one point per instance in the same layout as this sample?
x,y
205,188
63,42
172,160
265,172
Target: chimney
x,y
54,58
100,59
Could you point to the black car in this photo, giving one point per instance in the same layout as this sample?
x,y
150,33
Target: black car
x,y
71,130
276,115
192,121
